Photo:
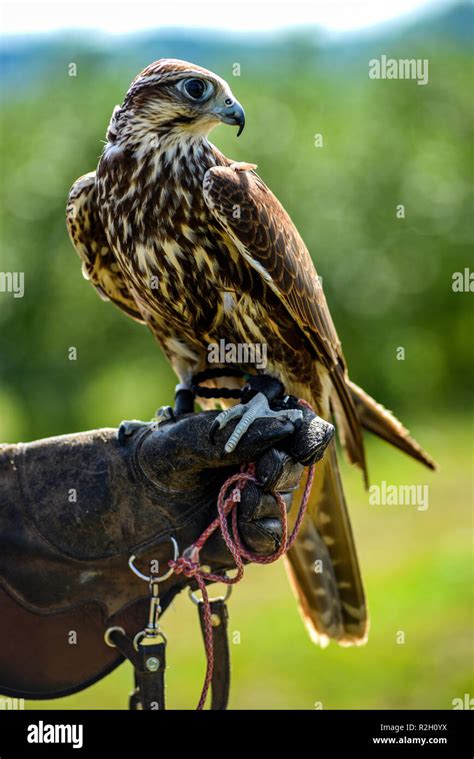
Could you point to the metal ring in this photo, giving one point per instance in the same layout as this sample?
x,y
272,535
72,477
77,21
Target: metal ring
x,y
198,601
108,633
142,634
137,637
154,579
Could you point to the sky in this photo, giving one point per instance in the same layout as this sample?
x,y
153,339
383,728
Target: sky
x,y
21,17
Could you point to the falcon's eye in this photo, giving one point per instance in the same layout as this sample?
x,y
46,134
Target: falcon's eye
x,y
196,89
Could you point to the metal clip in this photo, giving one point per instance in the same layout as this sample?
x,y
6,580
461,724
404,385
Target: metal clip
x,y
152,632
155,610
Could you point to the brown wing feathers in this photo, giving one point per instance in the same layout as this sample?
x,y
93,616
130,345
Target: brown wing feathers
x,y
332,603
89,239
381,422
268,239
270,243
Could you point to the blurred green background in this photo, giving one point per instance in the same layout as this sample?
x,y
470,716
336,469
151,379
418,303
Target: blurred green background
x,y
389,285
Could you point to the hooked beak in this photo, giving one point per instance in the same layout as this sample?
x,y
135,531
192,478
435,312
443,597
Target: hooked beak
x,y
232,114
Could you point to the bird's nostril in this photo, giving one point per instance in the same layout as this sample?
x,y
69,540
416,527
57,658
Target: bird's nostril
x,y
228,101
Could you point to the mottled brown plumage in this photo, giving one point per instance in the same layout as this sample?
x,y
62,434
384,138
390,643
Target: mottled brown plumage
x,y
199,249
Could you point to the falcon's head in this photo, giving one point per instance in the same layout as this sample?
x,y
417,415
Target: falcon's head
x,y
171,96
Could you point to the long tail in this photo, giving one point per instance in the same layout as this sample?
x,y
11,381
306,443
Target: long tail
x,y
323,567
375,418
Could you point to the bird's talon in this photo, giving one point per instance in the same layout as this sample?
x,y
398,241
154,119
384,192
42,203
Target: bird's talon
x,y
164,414
257,408
213,429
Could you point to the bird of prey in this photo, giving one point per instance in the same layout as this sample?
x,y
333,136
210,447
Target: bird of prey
x,y
196,246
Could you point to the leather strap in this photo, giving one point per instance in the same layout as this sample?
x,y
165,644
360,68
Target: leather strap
x,y
220,683
150,675
149,662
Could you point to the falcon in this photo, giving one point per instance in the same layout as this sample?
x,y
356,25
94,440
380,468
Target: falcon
x,y
195,246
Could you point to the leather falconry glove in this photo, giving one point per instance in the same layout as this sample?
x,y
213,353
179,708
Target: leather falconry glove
x,y
76,507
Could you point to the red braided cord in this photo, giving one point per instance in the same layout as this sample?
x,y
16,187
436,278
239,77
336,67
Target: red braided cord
x,y
188,563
